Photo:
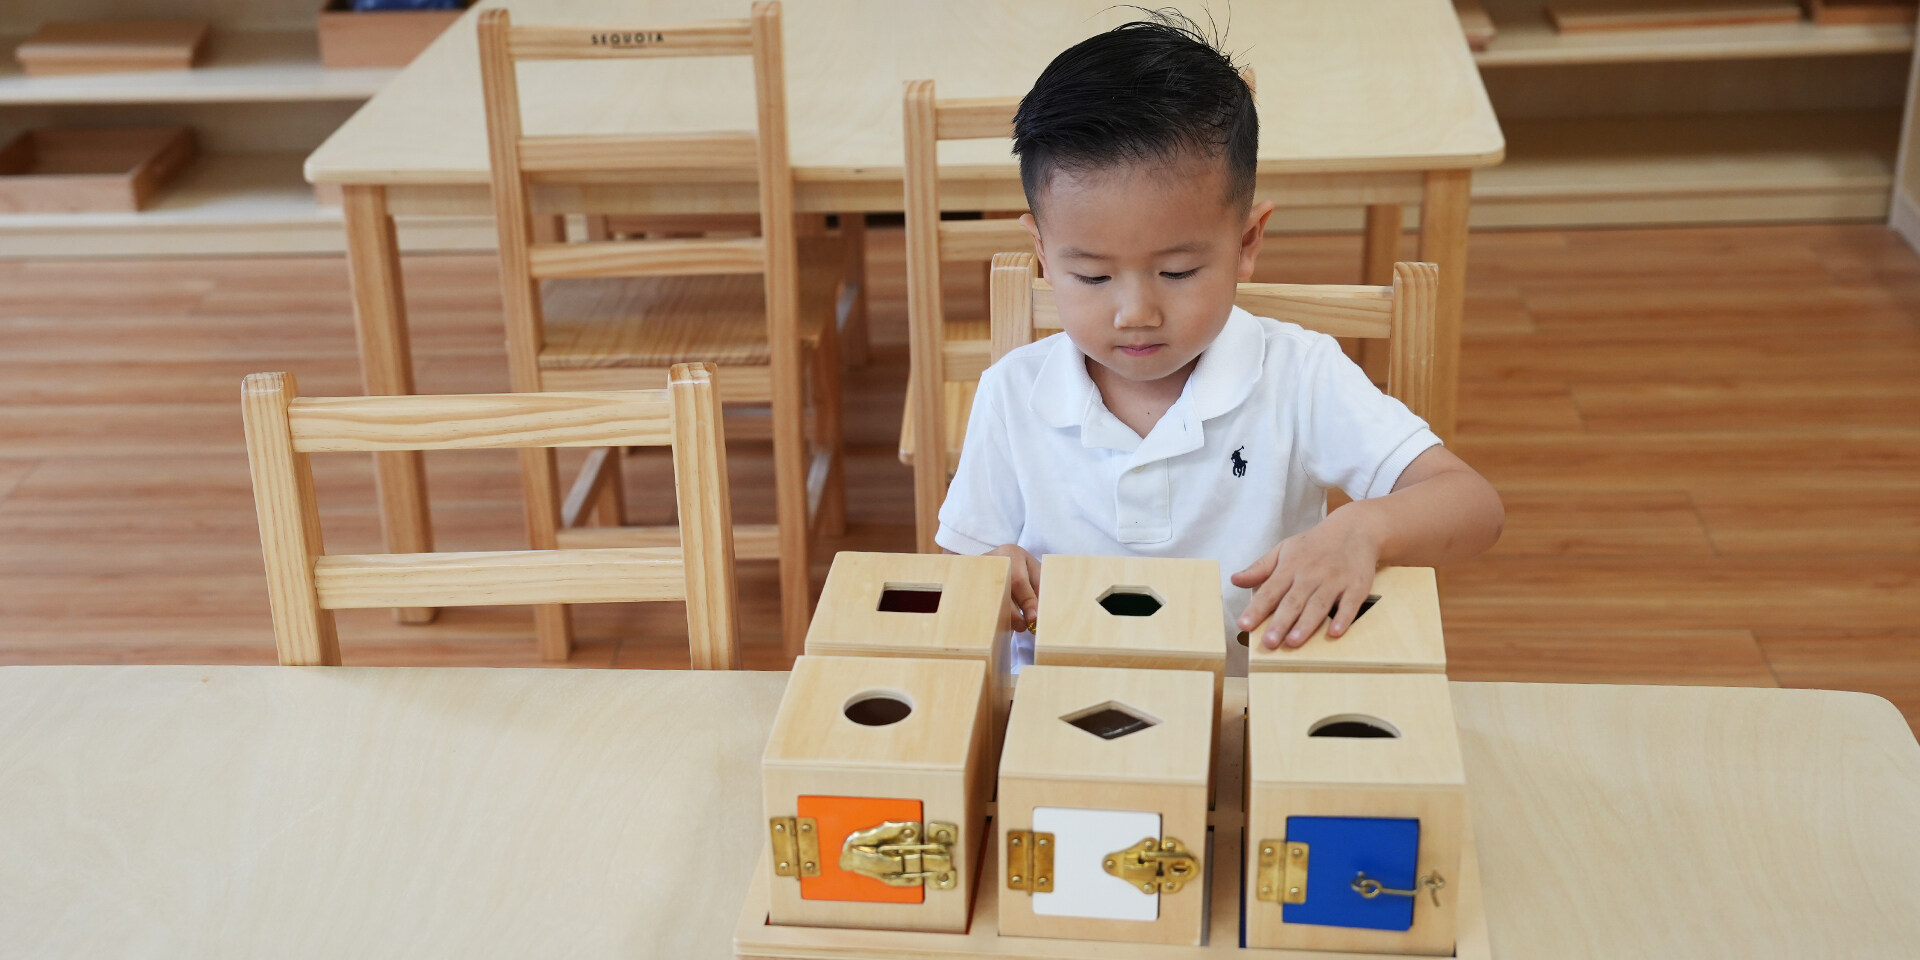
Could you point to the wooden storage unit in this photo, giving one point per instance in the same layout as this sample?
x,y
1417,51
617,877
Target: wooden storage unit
x,y
89,170
1750,123
258,99
383,38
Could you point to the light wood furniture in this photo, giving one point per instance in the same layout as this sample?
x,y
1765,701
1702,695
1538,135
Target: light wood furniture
x,y
868,753
1098,760
1305,760
947,357
1575,16
1379,98
616,314
305,584
157,782
1405,314
1398,633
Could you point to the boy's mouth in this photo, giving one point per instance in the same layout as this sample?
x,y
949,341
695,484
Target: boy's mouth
x,y
1140,350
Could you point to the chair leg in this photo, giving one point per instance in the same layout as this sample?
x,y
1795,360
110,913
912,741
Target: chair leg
x,y
1377,255
854,344
826,402
611,508
540,482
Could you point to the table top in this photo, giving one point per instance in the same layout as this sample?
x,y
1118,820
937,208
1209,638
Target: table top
x,y
375,812
1353,86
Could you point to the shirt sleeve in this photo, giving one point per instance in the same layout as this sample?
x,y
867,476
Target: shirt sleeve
x,y
983,509
1352,435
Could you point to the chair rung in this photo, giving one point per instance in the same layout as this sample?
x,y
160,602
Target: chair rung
x,y
981,239
711,152
481,421
965,359
713,39
976,118
503,578
751,541
642,258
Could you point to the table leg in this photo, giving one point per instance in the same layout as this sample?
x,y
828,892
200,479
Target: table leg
x,y
386,367
853,338
1380,247
1443,241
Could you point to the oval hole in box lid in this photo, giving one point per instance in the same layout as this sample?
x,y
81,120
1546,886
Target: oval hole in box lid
x,y
878,708
1354,725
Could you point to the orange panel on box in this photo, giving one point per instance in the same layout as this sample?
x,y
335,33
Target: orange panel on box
x,y
836,817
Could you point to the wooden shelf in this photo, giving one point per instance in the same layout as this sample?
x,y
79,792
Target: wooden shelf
x,y
1719,169
239,66
223,205
1525,38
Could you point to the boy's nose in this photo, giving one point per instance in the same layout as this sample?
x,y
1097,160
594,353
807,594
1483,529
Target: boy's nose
x,y
1135,311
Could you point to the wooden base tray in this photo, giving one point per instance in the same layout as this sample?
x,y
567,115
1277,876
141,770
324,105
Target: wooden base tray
x,y
90,169
756,939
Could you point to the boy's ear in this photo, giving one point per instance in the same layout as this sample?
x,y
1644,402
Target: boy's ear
x,y
1033,230
1251,236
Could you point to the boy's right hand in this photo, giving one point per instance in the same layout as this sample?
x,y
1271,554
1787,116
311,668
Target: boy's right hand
x,y
1023,592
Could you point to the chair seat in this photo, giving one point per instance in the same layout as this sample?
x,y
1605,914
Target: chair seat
x,y
661,321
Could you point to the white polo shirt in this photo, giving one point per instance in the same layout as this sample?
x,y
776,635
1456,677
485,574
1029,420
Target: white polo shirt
x,y
1272,416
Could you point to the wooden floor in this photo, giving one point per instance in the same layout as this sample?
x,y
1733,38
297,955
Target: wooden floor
x,y
1708,441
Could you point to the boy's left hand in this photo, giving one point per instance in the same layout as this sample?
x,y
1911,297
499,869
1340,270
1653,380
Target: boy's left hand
x,y
1326,570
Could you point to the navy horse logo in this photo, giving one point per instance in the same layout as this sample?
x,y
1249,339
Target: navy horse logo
x,y
1239,463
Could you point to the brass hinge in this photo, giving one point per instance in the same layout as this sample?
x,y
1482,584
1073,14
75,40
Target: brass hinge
x,y
897,854
1283,872
1155,866
796,846
1029,861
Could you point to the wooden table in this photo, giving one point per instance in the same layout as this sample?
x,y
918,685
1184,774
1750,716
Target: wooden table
x,y
1374,103
370,812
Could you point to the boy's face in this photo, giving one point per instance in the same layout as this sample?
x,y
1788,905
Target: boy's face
x,y
1143,259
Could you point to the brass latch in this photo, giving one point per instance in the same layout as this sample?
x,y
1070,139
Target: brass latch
x,y
894,854
1283,872
1029,861
1368,888
796,846
1155,866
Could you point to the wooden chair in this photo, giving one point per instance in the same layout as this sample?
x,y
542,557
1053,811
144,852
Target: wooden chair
x,y
616,314
1022,307
306,585
946,357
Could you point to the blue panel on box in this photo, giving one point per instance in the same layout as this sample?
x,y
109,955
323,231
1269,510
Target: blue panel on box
x,y
1340,849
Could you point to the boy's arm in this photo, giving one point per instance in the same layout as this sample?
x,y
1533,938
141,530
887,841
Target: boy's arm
x,y
1440,511
1023,586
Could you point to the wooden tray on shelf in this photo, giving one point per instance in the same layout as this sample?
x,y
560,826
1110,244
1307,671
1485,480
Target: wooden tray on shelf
x,y
756,939
90,169
377,38
62,47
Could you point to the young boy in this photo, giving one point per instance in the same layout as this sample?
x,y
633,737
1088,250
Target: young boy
x,y
1165,421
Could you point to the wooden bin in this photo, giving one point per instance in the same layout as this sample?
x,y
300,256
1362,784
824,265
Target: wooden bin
x,y
1353,779
937,606
869,753
1103,805
377,38
1140,612
90,169
1398,633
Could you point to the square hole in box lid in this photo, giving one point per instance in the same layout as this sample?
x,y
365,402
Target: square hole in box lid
x,y
1110,720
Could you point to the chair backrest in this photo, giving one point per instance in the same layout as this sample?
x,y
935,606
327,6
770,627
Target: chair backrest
x,y
519,162
1022,308
930,242
305,584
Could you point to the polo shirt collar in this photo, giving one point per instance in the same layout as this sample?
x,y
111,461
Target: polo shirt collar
x,y
1064,396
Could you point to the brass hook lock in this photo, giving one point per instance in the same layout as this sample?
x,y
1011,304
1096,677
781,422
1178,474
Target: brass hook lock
x,y
1368,888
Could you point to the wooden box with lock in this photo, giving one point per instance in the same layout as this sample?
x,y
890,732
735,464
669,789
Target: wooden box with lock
x,y
933,606
1356,806
1140,612
872,784
1103,805
1397,631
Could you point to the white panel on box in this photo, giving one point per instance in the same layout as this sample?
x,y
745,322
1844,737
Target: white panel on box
x,y
1082,887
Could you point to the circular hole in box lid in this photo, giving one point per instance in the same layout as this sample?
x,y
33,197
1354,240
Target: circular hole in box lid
x,y
878,708
1354,725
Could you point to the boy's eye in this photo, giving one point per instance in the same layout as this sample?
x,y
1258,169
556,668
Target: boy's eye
x,y
1182,275
1090,279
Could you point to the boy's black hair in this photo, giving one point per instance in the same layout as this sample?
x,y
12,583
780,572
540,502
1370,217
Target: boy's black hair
x,y
1150,90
